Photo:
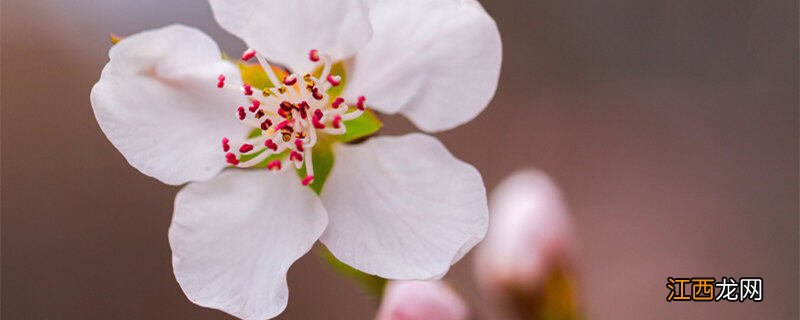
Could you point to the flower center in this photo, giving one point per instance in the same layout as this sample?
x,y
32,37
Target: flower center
x,y
290,116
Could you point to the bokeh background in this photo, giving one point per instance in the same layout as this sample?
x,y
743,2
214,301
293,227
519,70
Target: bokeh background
x,y
672,127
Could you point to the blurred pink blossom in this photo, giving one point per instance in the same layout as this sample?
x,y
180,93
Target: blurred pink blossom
x,y
421,300
523,262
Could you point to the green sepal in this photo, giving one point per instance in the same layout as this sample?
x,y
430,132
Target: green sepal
x,y
365,125
254,75
114,38
374,285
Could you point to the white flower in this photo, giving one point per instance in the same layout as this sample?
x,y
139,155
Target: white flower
x,y
398,207
421,300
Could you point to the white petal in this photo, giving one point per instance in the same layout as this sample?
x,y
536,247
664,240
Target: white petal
x,y
435,61
158,103
403,207
285,31
234,237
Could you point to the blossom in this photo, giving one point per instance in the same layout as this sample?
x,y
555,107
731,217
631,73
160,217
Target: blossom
x,y
397,207
523,262
421,300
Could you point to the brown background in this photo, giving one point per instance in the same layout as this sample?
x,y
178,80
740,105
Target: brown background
x,y
671,126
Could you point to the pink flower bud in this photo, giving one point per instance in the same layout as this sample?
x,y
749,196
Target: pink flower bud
x,y
421,300
529,244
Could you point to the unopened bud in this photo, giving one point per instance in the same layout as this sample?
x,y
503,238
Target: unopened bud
x,y
421,300
524,263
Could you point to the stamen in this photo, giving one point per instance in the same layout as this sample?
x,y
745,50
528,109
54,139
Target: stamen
x,y
231,158
267,68
317,124
336,103
274,165
266,124
337,121
303,105
298,145
245,148
300,112
248,54
225,145
315,93
290,80
254,106
295,156
270,145
334,80
313,55
360,103
282,125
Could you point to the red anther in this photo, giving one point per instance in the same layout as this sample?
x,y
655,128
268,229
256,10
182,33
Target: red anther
x,y
274,165
256,103
248,54
303,108
241,113
360,104
225,145
286,106
308,180
313,55
336,103
315,93
266,124
299,145
295,156
253,107
318,114
221,77
289,80
231,158
283,113
334,80
245,148
337,121
282,124
317,124
270,145
248,91
221,81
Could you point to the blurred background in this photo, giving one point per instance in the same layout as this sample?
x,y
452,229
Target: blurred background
x,y
671,126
